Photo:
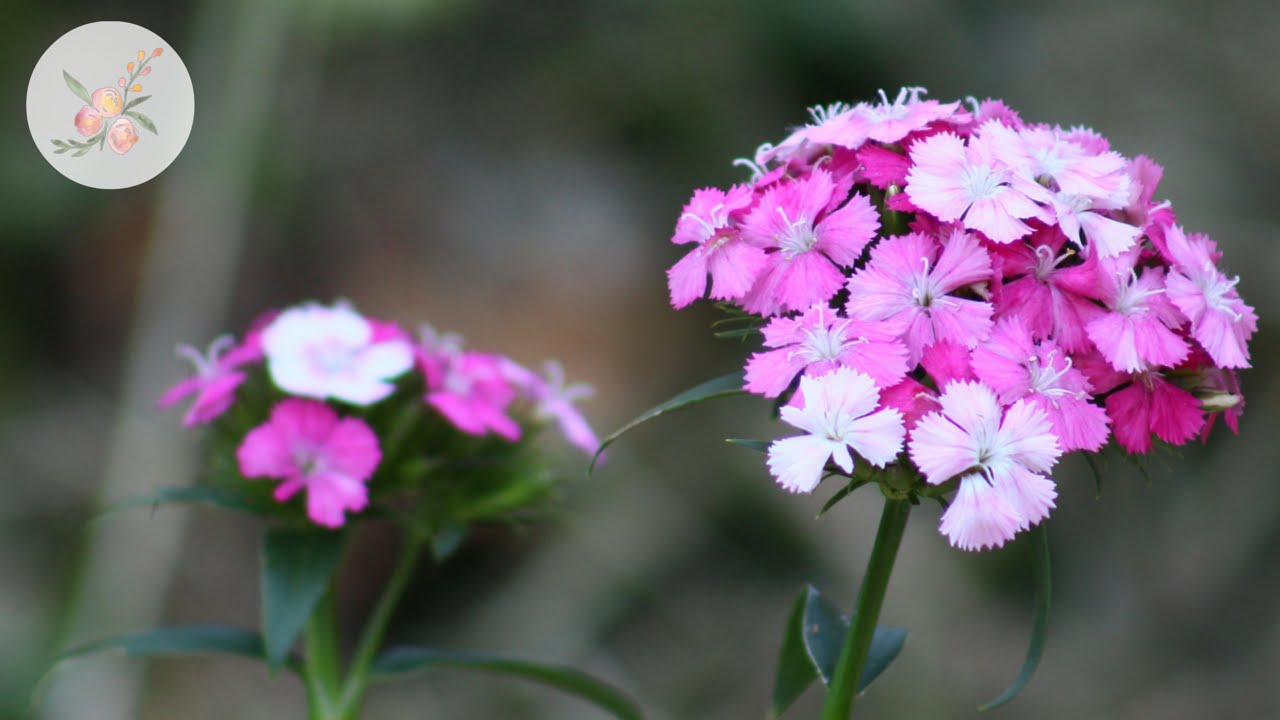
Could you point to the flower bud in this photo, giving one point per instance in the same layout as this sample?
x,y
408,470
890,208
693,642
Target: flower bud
x,y
122,136
1217,402
88,121
141,55
107,101
136,88
157,52
129,67
120,82
146,70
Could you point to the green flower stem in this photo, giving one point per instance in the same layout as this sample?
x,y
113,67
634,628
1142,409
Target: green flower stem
x,y
376,629
844,686
323,658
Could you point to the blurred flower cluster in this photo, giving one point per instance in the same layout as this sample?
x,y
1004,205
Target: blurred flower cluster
x,y
345,410
93,121
945,289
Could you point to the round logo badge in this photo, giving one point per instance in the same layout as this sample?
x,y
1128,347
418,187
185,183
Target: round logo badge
x,y
110,105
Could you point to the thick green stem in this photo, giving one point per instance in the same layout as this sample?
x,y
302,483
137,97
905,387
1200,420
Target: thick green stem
x,y
853,658
323,659
376,629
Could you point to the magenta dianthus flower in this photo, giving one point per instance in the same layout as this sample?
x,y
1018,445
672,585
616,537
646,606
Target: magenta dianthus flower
x,y
810,232
820,341
214,384
305,444
907,282
732,263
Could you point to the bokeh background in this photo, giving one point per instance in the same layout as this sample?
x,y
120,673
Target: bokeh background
x,y
512,170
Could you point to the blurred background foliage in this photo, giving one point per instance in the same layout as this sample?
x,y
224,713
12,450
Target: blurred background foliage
x,y
512,170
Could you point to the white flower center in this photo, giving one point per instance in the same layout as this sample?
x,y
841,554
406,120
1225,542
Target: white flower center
x,y
825,343
1216,288
331,356
1131,298
798,237
980,181
1046,263
923,288
1045,379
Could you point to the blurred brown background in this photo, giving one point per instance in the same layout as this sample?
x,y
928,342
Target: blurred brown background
x,y
512,170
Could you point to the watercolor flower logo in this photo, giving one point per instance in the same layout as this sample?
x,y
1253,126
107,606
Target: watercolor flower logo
x,y
110,117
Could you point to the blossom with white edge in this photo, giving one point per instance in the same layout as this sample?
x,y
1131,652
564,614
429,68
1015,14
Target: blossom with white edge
x,y
333,352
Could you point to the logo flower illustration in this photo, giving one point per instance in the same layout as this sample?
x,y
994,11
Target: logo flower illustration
x,y
110,116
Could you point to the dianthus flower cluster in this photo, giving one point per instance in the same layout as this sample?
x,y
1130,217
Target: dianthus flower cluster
x,y
945,286
332,372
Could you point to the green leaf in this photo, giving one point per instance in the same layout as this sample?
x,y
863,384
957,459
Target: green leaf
x,y
723,386
1040,620
187,494
811,648
82,151
143,120
58,143
297,565
795,670
403,660
136,102
59,151
176,640
841,494
77,88
757,445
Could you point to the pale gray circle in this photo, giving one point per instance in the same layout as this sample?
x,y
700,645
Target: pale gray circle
x,y
96,55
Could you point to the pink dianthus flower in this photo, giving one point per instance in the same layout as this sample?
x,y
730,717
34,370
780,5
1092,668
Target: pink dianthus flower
x,y
1001,457
973,184
307,445
908,283
732,263
820,341
808,233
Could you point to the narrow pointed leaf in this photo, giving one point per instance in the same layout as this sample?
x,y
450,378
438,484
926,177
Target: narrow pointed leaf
x,y
136,102
186,495
1091,459
840,494
143,120
77,88
723,386
404,660
176,640
1040,621
795,670
297,566
757,445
